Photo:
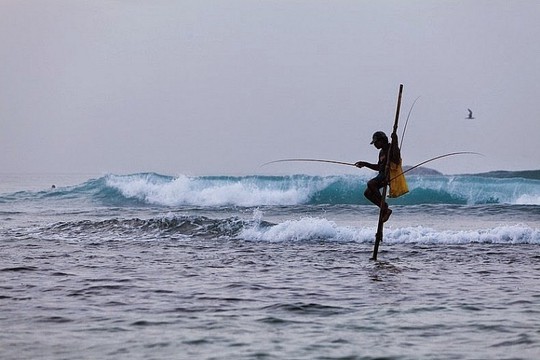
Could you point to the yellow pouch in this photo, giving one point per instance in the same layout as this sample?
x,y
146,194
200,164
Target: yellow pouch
x,y
398,184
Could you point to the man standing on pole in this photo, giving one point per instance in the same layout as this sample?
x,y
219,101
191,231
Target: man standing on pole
x,y
372,193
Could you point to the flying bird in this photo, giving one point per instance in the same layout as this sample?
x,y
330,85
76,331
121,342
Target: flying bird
x,y
470,115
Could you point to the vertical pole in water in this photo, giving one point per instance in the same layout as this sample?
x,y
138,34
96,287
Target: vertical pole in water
x,y
379,234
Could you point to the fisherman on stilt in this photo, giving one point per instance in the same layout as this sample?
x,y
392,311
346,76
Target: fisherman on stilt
x,y
372,193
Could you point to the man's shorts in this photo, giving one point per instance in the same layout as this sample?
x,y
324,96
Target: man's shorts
x,y
380,179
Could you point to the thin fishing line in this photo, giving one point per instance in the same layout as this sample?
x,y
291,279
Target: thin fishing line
x,y
407,122
436,158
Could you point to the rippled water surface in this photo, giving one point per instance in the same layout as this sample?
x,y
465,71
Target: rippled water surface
x,y
91,272
241,299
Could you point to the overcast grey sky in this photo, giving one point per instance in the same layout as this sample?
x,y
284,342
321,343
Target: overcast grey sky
x,y
220,87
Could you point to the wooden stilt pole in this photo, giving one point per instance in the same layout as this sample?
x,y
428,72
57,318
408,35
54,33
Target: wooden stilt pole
x,y
380,226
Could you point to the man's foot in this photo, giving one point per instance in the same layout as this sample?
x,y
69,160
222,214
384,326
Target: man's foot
x,y
386,215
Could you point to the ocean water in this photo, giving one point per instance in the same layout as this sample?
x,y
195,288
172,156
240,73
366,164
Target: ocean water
x,y
148,266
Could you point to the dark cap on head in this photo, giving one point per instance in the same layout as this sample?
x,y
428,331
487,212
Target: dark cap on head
x,y
379,135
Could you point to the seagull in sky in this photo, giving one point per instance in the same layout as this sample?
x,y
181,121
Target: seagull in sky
x,y
470,115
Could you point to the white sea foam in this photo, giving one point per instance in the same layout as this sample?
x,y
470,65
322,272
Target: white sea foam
x,y
310,229
528,199
184,190
305,229
511,234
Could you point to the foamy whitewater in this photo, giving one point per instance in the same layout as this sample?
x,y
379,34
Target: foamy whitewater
x,y
148,266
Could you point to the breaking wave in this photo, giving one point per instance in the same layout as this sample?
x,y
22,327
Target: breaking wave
x,y
248,191
307,229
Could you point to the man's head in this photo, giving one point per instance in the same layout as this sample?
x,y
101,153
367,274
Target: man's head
x,y
379,139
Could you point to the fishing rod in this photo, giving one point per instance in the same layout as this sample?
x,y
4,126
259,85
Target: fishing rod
x,y
310,160
352,164
436,158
